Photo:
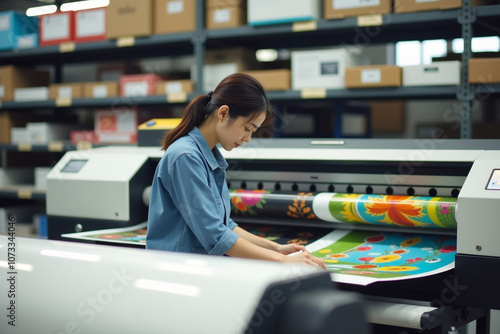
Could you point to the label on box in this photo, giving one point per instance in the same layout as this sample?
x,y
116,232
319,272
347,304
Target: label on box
x,y
65,92
4,22
431,70
138,88
371,76
27,42
2,91
100,91
329,68
175,7
56,27
426,1
173,87
222,15
92,23
348,4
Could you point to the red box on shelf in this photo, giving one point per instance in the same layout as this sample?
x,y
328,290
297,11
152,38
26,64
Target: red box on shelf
x,y
78,136
57,28
116,126
139,84
90,25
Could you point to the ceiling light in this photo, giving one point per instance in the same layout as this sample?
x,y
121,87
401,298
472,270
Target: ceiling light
x,y
41,10
81,5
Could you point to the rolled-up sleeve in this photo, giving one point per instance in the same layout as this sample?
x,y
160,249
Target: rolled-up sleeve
x,y
202,210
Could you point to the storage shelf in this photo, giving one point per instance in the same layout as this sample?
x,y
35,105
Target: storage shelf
x,y
23,192
382,93
432,24
151,46
92,103
56,146
424,92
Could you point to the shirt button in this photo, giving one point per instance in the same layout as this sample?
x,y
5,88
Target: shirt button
x,y
224,196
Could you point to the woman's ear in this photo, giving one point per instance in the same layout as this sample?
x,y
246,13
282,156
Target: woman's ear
x,y
223,113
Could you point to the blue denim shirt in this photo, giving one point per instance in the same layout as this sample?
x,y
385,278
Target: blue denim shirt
x,y
189,205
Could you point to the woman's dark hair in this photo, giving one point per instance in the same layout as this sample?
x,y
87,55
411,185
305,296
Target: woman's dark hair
x,y
242,93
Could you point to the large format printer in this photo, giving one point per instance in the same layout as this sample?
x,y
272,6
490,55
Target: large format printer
x,y
108,188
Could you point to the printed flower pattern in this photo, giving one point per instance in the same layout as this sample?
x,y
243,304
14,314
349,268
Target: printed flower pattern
x,y
245,200
299,208
397,210
385,254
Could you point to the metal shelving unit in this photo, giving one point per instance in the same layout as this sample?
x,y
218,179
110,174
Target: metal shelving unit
x,y
432,24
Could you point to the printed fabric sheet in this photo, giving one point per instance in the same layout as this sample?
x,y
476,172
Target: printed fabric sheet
x,y
133,235
406,211
362,257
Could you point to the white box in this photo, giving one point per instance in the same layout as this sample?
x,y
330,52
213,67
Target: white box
x,y
31,94
43,133
41,177
322,68
116,125
435,74
263,12
18,175
19,136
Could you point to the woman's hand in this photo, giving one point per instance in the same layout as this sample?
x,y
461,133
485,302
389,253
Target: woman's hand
x,y
305,258
302,257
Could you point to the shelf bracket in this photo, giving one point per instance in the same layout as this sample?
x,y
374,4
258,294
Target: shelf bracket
x,y
465,92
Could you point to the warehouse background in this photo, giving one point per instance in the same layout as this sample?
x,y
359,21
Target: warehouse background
x,y
388,117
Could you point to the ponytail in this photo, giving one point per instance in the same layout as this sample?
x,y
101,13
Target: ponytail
x,y
193,116
242,93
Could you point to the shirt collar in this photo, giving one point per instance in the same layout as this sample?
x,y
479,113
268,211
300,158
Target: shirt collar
x,y
214,157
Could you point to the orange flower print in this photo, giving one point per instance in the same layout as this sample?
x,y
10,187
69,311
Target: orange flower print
x,y
338,256
299,209
410,242
397,209
365,266
386,258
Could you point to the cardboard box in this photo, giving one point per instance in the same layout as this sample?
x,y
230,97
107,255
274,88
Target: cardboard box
x,y
388,116
321,68
273,79
225,13
19,136
174,16
116,126
335,9
139,84
265,12
66,90
12,77
78,136
220,63
9,121
90,25
435,74
373,76
57,28
42,133
98,89
405,6
174,87
13,26
31,94
484,70
126,18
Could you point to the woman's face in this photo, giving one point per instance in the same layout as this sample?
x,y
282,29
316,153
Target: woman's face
x,y
234,132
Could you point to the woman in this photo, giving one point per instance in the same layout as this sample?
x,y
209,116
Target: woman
x,y
190,204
